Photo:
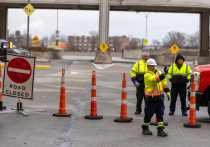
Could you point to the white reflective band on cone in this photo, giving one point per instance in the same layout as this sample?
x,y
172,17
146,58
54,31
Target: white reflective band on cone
x,y
123,101
0,90
192,93
93,98
93,86
62,79
192,105
124,89
0,79
62,85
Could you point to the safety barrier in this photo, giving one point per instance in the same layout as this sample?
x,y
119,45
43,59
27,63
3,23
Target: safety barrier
x,y
1,102
93,107
123,114
62,109
192,116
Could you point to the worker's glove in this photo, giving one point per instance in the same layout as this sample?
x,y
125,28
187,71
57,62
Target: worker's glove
x,y
165,70
136,83
187,80
168,95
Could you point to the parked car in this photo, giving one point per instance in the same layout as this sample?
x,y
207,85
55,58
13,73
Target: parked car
x,y
202,86
15,49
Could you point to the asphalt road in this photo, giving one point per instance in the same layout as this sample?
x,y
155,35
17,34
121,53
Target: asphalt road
x,y
41,128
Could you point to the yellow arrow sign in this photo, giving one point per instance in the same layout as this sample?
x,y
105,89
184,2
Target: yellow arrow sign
x,y
145,41
174,49
29,9
103,47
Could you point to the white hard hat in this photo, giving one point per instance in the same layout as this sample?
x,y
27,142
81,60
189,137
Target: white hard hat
x,y
151,62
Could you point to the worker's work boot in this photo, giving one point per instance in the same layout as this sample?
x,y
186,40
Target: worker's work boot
x,y
146,130
160,132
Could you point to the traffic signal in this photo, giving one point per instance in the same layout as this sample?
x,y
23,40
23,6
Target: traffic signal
x,y
3,51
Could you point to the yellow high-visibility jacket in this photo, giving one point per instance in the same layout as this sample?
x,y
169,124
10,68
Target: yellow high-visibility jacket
x,y
179,76
138,71
154,86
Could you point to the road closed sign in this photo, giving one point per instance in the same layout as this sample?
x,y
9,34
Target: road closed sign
x,y
19,77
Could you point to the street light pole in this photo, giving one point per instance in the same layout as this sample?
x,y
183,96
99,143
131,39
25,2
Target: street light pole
x,y
146,14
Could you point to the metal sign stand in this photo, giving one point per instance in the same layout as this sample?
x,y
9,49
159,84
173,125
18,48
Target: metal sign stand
x,y
19,108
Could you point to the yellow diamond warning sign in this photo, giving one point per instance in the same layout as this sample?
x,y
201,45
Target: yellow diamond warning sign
x,y
103,47
29,9
145,41
174,49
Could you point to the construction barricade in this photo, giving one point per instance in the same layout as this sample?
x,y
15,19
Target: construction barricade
x,y
62,109
192,117
1,102
93,106
123,113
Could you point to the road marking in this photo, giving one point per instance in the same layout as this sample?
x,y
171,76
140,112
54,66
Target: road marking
x,y
73,73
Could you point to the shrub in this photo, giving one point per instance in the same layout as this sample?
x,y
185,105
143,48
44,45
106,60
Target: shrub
x,y
36,48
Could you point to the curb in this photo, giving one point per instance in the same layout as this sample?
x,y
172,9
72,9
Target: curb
x,y
42,67
37,67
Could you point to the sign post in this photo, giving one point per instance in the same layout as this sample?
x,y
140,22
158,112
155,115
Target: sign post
x,y
18,78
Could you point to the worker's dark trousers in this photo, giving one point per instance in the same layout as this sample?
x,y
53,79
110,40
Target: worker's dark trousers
x,y
139,95
152,107
175,90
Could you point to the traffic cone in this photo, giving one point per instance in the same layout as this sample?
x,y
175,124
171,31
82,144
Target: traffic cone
x,y
192,116
93,109
156,122
123,114
1,102
62,110
196,63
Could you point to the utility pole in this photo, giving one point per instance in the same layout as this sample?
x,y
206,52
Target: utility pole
x,y
57,32
146,14
28,31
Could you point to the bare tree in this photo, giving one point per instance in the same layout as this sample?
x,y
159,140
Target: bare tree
x,y
93,39
63,38
135,43
52,37
173,37
193,40
156,43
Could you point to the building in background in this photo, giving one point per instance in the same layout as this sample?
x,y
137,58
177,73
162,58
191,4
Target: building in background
x,y
90,43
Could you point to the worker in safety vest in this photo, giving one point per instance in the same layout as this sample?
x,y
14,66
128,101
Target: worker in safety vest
x,y
137,76
155,86
179,75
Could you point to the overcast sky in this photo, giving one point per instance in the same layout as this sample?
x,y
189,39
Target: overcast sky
x,y
74,22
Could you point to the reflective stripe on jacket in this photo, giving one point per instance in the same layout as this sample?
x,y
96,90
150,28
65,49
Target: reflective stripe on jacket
x,y
154,87
179,76
138,71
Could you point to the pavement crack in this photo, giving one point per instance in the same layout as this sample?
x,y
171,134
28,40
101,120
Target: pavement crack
x,y
64,139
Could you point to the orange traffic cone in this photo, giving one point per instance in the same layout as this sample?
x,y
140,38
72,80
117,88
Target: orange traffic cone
x,y
62,110
93,109
1,102
156,122
123,114
192,116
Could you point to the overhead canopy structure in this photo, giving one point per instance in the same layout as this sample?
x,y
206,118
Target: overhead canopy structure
x,y
105,6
